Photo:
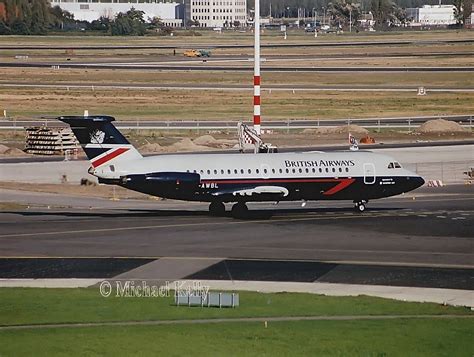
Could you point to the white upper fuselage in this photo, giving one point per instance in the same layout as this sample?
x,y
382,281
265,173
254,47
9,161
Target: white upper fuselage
x,y
277,165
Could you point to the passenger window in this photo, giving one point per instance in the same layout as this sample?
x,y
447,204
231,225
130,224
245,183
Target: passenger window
x,y
300,170
287,171
257,171
194,171
320,170
347,169
235,171
208,172
202,171
281,171
250,171
293,170
327,170
307,170
273,171
222,172
215,172
228,171
340,169
242,171
264,171
333,169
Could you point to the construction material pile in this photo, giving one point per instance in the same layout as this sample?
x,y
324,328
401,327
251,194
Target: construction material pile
x,y
50,141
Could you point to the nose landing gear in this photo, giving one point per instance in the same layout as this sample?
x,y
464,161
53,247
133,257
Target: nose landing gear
x,y
359,206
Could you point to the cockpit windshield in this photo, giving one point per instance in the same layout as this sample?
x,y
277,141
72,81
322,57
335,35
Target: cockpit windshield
x,y
394,165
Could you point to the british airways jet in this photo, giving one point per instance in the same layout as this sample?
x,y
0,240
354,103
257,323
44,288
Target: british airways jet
x,y
358,176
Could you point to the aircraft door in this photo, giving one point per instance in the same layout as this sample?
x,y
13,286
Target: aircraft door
x,y
369,173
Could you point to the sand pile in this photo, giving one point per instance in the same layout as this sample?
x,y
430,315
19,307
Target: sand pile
x,y
209,140
187,144
8,151
336,130
202,143
440,126
152,148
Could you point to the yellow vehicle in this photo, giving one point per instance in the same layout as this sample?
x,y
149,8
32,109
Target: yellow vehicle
x,y
197,53
192,53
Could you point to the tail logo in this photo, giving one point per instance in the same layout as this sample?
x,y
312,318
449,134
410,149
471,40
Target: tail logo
x,y
97,137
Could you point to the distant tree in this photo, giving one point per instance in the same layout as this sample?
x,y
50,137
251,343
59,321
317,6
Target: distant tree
x,y
155,23
386,13
129,23
458,12
190,23
102,24
4,29
342,13
467,10
59,17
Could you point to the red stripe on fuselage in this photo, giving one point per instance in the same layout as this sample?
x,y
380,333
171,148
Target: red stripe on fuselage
x,y
339,187
109,156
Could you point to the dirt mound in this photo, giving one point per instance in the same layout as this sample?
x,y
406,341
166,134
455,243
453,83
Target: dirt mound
x,y
3,148
209,140
8,151
336,130
187,145
152,148
440,126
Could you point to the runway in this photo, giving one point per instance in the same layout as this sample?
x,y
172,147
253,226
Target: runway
x,y
423,240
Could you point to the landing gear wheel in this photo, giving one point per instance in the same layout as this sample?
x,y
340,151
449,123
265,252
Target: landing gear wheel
x,y
217,209
359,206
239,210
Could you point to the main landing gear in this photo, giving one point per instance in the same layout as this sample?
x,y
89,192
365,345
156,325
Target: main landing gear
x,y
359,206
217,209
239,210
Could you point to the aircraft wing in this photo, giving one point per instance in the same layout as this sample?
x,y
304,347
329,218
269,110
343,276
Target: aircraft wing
x,y
278,191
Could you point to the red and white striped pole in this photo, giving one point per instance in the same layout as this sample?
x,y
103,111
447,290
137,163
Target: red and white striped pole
x,y
256,66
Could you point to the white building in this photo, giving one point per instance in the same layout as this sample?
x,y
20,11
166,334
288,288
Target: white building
x,y
217,13
170,13
433,15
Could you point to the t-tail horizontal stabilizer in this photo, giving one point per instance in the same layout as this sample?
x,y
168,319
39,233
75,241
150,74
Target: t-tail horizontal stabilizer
x,y
101,141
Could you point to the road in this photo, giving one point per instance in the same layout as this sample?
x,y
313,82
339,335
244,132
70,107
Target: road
x,y
397,122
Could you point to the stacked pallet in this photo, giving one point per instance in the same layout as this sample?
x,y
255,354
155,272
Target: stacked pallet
x,y
50,141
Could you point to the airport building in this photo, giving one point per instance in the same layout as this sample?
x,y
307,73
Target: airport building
x,y
170,13
432,15
217,13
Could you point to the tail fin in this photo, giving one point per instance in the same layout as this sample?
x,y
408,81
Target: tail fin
x,y
101,140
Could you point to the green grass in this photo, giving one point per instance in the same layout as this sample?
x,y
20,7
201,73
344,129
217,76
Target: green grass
x,y
429,336
45,306
403,337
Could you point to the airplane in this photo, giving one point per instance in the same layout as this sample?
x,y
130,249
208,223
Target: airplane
x,y
358,176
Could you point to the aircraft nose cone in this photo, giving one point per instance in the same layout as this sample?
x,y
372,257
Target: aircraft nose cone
x,y
416,182
421,181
